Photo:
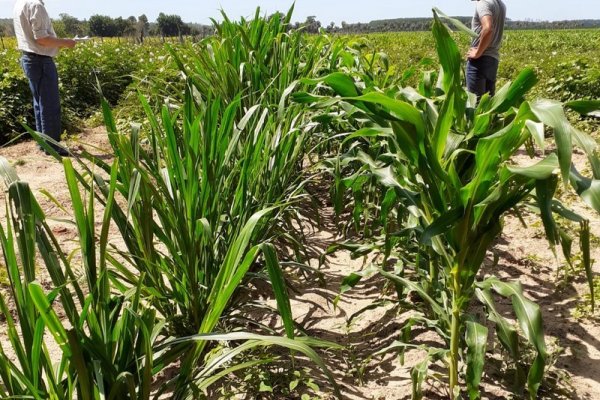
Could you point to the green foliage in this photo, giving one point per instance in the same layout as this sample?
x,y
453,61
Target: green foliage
x,y
429,170
105,339
87,73
217,184
171,25
15,97
92,71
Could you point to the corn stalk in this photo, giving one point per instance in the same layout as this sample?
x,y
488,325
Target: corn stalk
x,y
437,165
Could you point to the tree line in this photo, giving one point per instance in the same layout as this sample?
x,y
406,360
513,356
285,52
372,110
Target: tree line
x,y
166,25
424,24
172,25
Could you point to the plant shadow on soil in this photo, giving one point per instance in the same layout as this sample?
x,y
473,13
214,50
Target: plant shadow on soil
x,y
358,372
557,304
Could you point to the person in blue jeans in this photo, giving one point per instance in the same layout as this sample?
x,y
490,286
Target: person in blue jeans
x,y
484,55
39,45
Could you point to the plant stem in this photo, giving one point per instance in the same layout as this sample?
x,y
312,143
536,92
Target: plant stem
x,y
455,333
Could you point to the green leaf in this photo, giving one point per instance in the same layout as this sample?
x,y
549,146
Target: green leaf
x,y
399,109
341,83
265,388
544,192
592,195
540,171
454,22
299,344
439,311
585,107
476,339
49,316
279,288
442,225
507,335
537,132
584,244
510,94
418,375
530,320
449,55
552,114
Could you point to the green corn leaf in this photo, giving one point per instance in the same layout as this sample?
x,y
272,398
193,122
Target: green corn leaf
x,y
584,244
279,288
530,320
585,107
507,335
418,375
399,109
511,93
454,22
439,311
341,83
545,191
552,114
537,133
444,124
592,195
449,55
543,170
442,225
476,339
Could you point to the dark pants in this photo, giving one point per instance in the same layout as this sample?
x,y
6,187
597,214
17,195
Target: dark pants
x,y
43,82
481,75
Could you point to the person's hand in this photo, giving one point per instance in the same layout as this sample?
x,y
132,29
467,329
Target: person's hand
x,y
69,43
472,54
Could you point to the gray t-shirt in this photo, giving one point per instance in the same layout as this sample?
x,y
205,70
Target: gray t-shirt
x,y
497,10
32,22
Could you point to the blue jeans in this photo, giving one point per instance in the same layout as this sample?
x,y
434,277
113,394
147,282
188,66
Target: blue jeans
x,y
43,82
481,75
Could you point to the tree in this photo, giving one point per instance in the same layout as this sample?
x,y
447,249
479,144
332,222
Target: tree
x,y
103,26
312,25
2,33
171,25
142,27
72,26
121,26
130,26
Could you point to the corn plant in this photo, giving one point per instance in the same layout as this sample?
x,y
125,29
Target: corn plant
x,y
437,166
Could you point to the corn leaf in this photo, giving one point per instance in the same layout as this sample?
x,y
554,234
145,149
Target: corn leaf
x,y
476,339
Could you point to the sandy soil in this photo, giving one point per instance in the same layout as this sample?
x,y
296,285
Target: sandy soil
x,y
522,254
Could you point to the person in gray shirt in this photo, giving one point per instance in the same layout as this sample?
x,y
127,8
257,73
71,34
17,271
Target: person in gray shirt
x,y
39,45
484,55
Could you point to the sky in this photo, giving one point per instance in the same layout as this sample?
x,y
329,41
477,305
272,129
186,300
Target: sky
x,y
326,11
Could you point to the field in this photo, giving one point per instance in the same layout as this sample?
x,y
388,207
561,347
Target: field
x,y
265,214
